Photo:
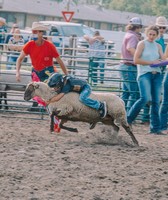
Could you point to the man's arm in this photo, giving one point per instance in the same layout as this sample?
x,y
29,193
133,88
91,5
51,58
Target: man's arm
x,y
63,67
18,65
91,40
132,51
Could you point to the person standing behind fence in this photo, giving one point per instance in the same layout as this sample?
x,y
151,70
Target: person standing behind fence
x,y
42,53
10,34
128,69
163,112
149,79
15,45
161,22
3,31
97,52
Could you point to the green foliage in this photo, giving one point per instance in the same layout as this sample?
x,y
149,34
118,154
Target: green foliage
x,y
59,1
146,7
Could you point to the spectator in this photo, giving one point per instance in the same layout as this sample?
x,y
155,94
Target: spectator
x,y
10,34
164,105
15,45
3,31
41,54
128,68
97,52
149,79
161,22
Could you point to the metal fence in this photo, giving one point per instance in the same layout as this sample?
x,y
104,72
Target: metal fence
x,y
78,65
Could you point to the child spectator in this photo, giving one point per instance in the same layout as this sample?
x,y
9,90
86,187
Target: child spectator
x,y
15,45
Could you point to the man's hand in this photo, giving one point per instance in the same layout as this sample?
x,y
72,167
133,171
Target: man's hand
x,y
18,78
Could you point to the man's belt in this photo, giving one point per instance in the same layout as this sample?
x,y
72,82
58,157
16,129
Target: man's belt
x,y
155,72
130,64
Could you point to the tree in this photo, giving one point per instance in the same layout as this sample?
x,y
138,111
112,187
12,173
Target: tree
x,y
146,7
68,2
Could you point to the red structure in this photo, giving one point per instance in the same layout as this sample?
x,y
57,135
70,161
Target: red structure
x,y
67,15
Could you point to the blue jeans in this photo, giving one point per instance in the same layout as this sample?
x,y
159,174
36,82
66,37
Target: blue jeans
x,y
1,41
97,62
150,90
163,113
11,58
84,98
129,86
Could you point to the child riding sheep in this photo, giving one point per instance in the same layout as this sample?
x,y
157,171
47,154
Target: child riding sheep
x,y
66,84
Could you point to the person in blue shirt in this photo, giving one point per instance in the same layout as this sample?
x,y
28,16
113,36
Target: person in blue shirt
x,y
161,22
63,85
3,31
97,53
163,112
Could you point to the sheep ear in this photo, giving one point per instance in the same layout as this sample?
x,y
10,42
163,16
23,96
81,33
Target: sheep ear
x,y
36,85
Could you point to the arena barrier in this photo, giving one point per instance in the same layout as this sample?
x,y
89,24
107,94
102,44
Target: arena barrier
x,y
78,65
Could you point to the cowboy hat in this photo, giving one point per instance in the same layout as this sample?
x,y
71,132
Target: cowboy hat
x,y
161,21
37,26
2,20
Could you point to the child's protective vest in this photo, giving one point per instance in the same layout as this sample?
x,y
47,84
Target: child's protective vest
x,y
76,83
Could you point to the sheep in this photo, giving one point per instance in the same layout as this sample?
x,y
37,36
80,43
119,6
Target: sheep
x,y
70,108
8,82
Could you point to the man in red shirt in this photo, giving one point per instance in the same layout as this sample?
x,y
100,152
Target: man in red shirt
x,y
41,53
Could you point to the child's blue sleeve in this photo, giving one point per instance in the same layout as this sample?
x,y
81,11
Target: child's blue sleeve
x,y
66,89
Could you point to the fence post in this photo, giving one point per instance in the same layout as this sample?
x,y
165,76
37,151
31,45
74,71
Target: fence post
x,y
72,51
90,70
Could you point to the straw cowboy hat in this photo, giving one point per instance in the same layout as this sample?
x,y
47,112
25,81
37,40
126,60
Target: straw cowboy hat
x,y
2,20
161,21
37,26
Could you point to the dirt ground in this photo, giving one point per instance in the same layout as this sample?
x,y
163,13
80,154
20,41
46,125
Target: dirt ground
x,y
88,165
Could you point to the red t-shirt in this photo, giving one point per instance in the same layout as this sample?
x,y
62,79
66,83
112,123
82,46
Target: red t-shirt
x,y
41,56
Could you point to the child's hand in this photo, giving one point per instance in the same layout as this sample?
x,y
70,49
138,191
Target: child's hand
x,y
47,102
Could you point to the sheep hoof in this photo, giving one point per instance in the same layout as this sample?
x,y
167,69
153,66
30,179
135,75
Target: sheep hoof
x,y
51,132
56,112
92,125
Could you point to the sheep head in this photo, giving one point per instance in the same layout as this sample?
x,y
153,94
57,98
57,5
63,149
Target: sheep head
x,y
30,91
39,89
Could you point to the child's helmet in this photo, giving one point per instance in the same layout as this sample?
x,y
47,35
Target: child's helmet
x,y
55,80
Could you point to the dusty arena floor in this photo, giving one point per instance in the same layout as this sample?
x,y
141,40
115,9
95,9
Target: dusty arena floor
x,y
89,165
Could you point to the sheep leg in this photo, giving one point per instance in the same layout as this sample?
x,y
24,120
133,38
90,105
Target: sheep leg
x,y
4,96
55,113
0,100
115,127
129,131
92,125
68,128
52,122
6,103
